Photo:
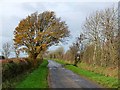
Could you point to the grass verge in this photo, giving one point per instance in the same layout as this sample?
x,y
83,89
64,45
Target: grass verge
x,y
36,79
108,82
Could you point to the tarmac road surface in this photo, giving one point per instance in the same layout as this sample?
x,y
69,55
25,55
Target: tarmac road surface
x,y
60,77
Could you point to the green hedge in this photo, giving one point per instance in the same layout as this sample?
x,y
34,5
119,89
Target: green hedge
x,y
12,69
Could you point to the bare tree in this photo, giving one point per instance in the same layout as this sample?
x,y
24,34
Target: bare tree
x,y
6,49
101,29
92,28
109,27
75,52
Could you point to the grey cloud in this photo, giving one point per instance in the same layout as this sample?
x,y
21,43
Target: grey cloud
x,y
74,13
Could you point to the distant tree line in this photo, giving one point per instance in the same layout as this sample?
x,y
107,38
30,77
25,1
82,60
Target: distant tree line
x,y
58,53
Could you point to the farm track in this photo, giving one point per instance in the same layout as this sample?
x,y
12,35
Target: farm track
x,y
60,77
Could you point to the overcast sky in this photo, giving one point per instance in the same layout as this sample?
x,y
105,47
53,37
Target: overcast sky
x,y
73,12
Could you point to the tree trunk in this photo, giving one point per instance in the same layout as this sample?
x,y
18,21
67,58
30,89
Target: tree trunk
x,y
94,55
35,62
34,59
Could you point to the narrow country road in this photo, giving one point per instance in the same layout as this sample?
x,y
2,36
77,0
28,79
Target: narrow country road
x,y
60,77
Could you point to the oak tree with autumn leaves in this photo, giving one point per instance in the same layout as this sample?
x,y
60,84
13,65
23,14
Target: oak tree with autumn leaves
x,y
37,32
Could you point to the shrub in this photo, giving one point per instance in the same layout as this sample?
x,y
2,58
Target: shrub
x,y
12,69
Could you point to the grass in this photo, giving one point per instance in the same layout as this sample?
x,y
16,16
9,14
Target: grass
x,y
103,80
36,79
108,82
106,71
